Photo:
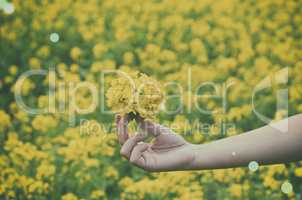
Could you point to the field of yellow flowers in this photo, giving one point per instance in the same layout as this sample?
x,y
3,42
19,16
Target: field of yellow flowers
x,y
238,42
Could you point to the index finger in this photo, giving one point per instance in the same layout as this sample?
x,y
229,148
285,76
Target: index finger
x,y
122,128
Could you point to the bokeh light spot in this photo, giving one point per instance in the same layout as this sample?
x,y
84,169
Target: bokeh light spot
x,y
253,166
286,187
54,37
8,8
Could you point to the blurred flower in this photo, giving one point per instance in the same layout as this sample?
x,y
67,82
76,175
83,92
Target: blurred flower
x,y
69,196
4,120
34,63
96,194
236,190
75,53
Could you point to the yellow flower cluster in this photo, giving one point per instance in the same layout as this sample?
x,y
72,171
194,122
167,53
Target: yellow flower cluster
x,y
136,93
4,120
44,123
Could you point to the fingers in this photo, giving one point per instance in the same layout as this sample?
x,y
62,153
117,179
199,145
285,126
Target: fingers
x,y
136,153
122,128
130,144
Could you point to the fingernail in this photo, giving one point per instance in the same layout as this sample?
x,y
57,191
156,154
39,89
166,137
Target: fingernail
x,y
117,118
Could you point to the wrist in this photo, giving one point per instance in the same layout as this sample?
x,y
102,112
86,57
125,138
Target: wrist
x,y
195,152
201,158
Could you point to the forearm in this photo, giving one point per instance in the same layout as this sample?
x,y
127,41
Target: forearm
x,y
266,145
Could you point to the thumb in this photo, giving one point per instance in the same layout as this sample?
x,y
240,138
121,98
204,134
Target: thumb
x,y
152,128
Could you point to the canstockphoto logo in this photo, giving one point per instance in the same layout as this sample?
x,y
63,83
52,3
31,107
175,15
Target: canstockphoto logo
x,y
280,77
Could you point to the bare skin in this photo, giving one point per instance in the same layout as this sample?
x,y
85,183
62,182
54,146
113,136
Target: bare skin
x,y
170,152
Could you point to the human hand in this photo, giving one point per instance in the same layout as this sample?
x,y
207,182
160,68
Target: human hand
x,y
168,152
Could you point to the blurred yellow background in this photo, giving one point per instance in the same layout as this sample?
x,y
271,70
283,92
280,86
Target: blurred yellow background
x,y
43,157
